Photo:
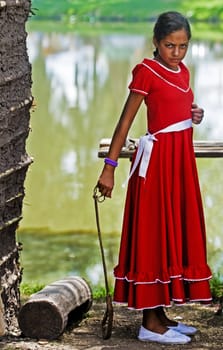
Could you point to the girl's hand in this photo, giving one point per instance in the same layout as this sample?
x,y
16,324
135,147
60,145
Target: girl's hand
x,y
106,181
197,114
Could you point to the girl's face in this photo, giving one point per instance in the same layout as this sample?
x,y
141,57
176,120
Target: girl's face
x,y
172,48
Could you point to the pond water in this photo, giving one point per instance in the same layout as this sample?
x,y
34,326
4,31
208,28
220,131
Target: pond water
x,y
79,85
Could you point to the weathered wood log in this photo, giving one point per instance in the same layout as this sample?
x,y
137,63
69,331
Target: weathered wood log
x,y
46,314
202,149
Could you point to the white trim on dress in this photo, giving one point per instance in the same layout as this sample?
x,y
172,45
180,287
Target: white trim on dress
x,y
165,80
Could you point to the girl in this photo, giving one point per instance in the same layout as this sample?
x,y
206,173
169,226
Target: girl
x,y
162,256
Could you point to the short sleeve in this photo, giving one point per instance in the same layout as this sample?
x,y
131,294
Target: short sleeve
x,y
141,80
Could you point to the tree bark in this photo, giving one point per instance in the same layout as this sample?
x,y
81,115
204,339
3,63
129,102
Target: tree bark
x,y
45,315
15,103
2,321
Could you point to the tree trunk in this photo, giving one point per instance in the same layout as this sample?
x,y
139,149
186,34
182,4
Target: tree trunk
x,y
15,103
45,315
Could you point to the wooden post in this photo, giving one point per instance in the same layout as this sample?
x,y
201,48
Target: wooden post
x,y
45,315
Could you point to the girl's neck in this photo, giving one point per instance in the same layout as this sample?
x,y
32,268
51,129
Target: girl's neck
x,y
159,59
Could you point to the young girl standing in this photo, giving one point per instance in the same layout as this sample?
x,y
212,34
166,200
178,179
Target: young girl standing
x,y
162,256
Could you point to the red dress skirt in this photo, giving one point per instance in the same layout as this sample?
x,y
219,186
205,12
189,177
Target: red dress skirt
x,y
162,254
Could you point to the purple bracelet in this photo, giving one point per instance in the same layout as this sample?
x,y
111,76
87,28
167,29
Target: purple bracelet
x,y
111,162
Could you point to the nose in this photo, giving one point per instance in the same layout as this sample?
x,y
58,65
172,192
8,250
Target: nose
x,y
176,51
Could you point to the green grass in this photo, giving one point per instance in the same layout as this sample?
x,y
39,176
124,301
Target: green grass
x,y
89,29
200,31
27,289
99,292
216,284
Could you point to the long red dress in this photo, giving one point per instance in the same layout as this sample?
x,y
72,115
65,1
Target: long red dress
x,y
162,254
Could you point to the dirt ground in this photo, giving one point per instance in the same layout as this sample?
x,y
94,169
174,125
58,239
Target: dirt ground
x,y
87,334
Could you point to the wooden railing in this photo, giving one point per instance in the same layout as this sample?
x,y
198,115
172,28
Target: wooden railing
x,y
203,149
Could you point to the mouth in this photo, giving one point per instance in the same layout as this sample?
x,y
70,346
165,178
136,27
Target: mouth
x,y
174,60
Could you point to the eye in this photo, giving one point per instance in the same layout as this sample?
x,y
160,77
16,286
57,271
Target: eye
x,y
169,46
184,46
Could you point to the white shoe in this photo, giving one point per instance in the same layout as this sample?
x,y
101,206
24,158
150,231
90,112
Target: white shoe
x,y
184,329
169,337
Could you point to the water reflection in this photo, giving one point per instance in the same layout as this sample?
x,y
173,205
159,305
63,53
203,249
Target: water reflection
x,y
70,254
80,84
208,82
77,67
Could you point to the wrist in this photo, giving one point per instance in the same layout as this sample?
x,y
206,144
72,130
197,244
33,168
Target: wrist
x,y
111,162
109,169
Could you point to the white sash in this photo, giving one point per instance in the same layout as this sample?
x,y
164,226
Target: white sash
x,y
146,145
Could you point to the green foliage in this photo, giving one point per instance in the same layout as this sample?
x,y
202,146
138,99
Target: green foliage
x,y
216,284
204,10
207,31
91,10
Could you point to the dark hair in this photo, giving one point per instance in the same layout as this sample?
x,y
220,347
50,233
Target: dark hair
x,y
169,22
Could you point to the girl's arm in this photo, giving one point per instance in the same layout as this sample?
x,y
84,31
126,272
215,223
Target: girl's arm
x,y
106,179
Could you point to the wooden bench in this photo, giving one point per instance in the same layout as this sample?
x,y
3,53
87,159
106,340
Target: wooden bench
x,y
203,149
